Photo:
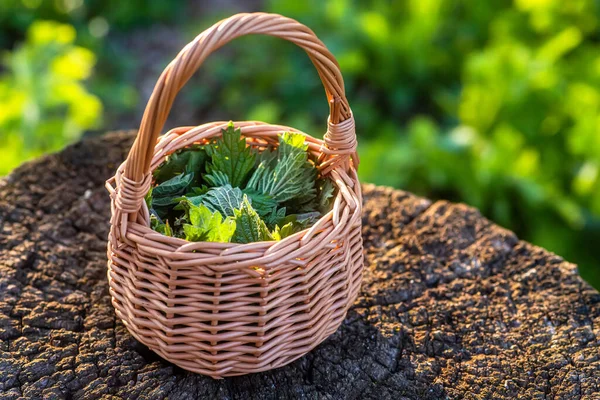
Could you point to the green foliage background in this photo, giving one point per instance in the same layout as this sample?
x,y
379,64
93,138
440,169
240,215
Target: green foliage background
x,y
494,103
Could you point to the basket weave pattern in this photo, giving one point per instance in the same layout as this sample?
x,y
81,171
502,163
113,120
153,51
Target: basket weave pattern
x,y
224,309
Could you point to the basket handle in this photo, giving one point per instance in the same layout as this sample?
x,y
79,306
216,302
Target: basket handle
x,y
340,139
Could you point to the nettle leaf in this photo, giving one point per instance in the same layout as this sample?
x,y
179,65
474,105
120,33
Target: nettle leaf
x,y
290,143
302,204
161,212
230,156
178,225
227,191
285,231
190,159
264,204
148,198
226,198
168,193
223,199
174,186
304,220
207,226
196,162
308,218
195,200
275,217
194,233
197,191
291,177
154,219
294,223
159,226
159,202
249,226
326,194
267,157
217,178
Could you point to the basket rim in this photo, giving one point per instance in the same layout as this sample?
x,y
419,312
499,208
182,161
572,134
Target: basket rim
x,y
159,156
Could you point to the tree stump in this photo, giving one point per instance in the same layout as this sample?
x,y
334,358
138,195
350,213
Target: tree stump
x,y
452,306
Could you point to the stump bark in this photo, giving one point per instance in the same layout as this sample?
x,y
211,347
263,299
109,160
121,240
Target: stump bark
x,y
452,306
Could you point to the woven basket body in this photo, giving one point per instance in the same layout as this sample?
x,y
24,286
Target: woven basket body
x,y
224,309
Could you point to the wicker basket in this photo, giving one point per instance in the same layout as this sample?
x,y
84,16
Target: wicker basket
x,y
224,309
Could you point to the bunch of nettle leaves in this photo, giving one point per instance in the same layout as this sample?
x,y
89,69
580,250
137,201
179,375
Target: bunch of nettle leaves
x,y
227,191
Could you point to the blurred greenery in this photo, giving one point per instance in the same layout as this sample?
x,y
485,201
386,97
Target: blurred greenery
x,y
493,103
44,103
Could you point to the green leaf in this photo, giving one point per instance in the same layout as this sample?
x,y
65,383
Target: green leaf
x,y
159,211
292,176
230,156
159,202
294,223
290,143
225,212
174,186
194,196
217,178
223,199
201,215
302,203
197,159
263,203
308,218
148,198
207,226
326,193
167,230
190,159
267,157
197,191
159,226
285,231
305,220
155,220
275,217
178,223
249,226
194,234
226,198
168,193
224,232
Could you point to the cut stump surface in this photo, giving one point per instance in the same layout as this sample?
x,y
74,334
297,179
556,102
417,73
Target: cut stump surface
x,y
452,306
